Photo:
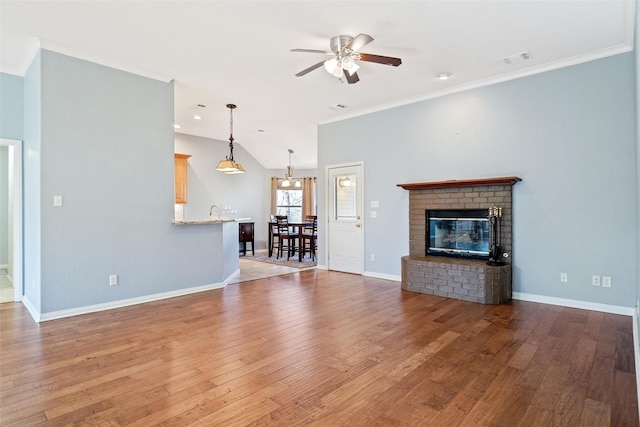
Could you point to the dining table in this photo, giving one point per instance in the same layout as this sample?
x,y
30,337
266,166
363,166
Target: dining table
x,y
296,228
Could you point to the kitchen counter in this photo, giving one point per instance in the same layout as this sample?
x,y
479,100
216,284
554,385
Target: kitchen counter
x,y
202,221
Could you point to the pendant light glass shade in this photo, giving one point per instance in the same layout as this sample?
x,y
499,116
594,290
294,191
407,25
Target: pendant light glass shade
x,y
288,177
228,165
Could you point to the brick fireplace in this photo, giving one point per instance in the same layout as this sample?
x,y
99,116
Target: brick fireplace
x,y
459,278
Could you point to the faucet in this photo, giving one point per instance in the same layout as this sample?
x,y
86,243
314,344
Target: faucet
x,y
211,210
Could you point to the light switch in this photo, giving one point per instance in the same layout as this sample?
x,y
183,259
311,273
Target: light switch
x,y
57,200
374,214
375,204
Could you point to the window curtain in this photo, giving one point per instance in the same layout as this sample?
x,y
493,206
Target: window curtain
x,y
308,196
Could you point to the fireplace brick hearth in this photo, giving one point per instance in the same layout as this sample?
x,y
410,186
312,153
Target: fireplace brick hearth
x,y
465,279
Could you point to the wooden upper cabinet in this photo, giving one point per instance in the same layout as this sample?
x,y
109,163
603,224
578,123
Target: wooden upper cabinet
x,y
180,176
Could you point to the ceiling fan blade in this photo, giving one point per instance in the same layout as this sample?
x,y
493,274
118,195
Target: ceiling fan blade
x,y
351,78
359,41
308,70
386,60
311,51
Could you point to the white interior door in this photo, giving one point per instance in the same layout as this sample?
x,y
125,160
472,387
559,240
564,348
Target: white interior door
x,y
346,231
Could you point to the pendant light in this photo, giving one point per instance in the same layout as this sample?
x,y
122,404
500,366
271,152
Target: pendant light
x,y
288,177
229,166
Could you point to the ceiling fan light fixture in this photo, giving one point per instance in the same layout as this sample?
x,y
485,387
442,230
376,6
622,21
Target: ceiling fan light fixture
x,y
330,65
344,57
348,62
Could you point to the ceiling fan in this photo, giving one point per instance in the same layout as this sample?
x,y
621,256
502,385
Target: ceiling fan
x,y
343,56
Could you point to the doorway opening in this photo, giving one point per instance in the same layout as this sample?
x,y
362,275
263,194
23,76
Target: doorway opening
x,y
12,228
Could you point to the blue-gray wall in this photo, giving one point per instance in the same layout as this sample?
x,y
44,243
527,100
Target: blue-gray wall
x,y
103,139
11,106
569,133
31,185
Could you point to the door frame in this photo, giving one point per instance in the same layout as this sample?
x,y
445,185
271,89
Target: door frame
x,y
15,160
328,209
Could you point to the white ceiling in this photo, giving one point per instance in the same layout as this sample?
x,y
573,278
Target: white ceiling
x,y
221,52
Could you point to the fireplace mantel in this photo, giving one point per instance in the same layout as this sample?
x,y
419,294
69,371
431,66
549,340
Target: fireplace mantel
x,y
457,183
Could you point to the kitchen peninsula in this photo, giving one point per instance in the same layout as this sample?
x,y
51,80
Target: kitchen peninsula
x,y
221,242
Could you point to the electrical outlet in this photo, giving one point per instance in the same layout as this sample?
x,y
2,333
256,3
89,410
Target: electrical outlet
x,y
113,280
606,281
373,257
564,278
595,280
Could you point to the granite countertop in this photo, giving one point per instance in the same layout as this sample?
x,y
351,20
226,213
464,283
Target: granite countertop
x,y
202,221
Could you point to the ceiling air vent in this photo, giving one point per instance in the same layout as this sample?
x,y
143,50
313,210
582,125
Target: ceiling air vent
x,y
517,57
338,107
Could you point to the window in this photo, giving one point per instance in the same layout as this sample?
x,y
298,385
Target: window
x,y
289,203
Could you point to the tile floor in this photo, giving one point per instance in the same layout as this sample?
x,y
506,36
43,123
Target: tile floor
x,y
6,290
252,270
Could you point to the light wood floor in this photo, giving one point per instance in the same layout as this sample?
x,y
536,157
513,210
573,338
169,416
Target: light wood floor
x,y
318,348
6,289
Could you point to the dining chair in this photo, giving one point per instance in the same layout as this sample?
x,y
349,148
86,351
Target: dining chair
x,y
273,224
310,236
284,240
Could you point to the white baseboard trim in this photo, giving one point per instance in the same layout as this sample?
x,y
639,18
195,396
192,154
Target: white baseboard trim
x,y
322,267
383,276
585,305
31,308
130,301
4,265
231,277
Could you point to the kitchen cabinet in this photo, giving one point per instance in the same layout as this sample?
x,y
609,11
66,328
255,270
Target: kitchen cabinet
x,y
245,234
180,176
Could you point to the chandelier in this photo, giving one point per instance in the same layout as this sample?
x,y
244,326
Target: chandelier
x,y
229,166
288,177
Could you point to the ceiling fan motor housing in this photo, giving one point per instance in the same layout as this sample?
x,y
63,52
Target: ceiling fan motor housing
x,y
338,43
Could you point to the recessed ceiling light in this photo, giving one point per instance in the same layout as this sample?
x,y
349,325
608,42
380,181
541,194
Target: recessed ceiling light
x,y
197,117
176,126
443,76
